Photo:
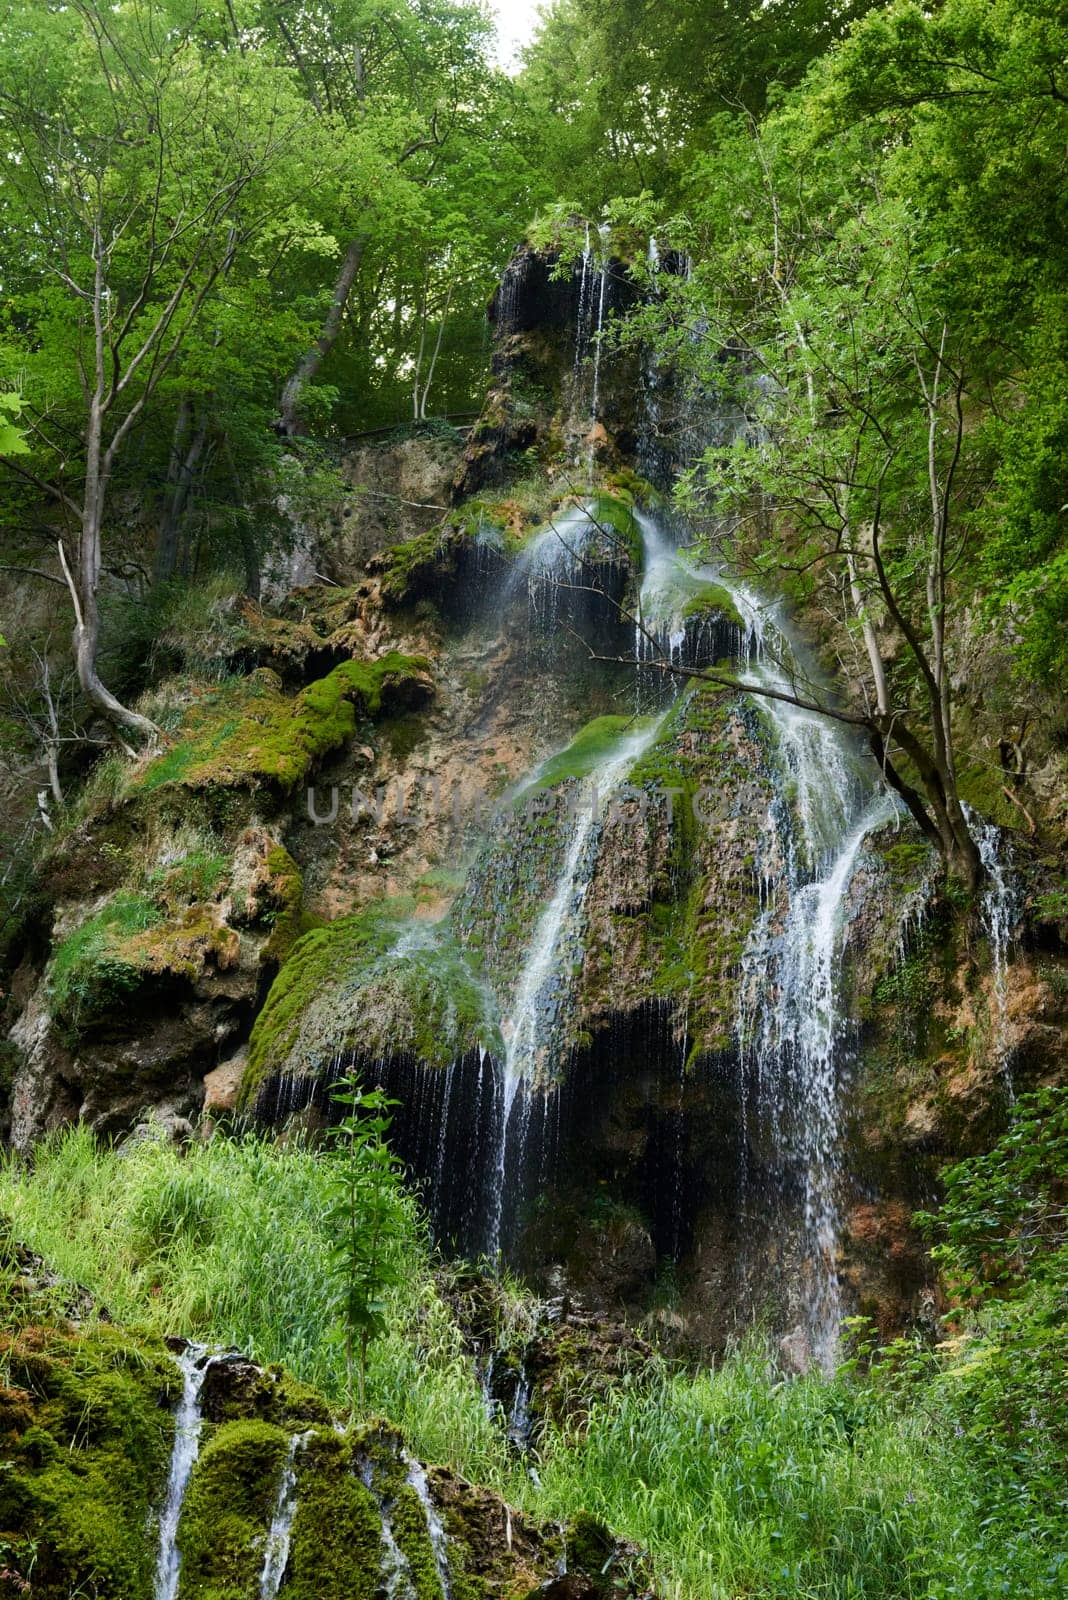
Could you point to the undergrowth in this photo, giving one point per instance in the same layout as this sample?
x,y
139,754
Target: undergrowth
x,y
895,1480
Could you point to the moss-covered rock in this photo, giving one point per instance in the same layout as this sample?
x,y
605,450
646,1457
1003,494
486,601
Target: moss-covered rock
x,y
375,983
85,1434
227,1510
336,1544
248,734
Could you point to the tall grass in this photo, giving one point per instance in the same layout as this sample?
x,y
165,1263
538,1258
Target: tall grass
x,y
227,1243
739,1482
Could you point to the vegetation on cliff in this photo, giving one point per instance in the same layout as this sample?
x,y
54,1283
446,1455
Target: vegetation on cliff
x,y
932,1471
802,265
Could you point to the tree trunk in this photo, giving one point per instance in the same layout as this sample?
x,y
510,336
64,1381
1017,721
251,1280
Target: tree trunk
x,y
309,364
84,587
184,458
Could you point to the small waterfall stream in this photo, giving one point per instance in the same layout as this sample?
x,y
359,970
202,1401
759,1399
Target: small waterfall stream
x,y
276,1553
193,1363
1000,911
397,1580
439,1540
531,1026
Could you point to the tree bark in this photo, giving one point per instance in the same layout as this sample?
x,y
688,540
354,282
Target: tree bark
x,y
308,367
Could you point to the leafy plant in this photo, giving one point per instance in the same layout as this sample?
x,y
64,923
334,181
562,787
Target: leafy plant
x,y
367,1216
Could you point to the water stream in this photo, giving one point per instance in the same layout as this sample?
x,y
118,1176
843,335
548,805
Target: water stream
x,y
1000,911
276,1553
396,1572
193,1363
531,1029
439,1540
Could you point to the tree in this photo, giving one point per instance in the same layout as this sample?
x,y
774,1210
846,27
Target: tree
x,y
369,1216
137,171
396,85
850,382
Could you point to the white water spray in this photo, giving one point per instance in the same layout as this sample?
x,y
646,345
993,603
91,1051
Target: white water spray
x,y
193,1363
439,1539
276,1555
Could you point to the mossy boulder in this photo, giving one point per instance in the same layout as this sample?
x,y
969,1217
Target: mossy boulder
x,y
377,984
336,1543
227,1509
248,734
85,1434
423,566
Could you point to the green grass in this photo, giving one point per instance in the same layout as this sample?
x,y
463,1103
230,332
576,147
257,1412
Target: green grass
x,y
740,1482
228,1243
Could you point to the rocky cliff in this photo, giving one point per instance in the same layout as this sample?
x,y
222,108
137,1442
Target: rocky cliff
x,y
370,803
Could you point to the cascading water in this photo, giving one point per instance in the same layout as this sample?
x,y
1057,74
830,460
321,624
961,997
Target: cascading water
x,y
193,1363
583,312
397,1580
531,1029
439,1539
1000,910
789,1029
276,1553
549,562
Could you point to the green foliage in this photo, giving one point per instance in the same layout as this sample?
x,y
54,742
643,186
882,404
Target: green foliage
x,y
90,971
229,1242
927,1476
12,437
369,1219
1002,1222
247,733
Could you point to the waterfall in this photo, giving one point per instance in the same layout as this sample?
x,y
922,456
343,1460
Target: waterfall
x,y
999,910
548,561
439,1539
397,1580
276,1556
530,1030
789,1028
193,1363
585,301
520,1421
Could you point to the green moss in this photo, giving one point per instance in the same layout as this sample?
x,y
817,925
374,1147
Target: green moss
x,y
615,512
227,1511
982,786
336,1542
196,876
286,912
410,1531
87,1431
373,982
93,968
908,859
248,733
417,566
585,753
